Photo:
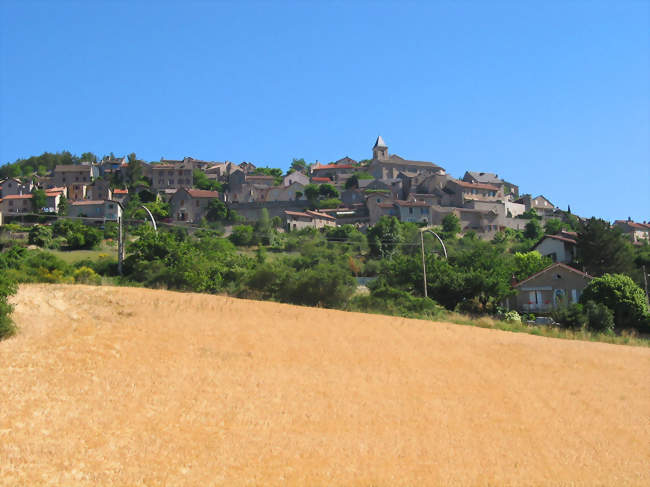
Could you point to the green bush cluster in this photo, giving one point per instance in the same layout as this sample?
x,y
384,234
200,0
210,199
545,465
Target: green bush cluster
x,y
592,316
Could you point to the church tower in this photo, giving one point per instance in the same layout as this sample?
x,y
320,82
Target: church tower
x,y
380,150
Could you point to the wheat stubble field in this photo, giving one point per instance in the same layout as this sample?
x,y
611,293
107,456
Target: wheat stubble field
x,y
125,386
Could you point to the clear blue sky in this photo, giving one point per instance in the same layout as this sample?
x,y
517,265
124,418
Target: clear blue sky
x,y
553,96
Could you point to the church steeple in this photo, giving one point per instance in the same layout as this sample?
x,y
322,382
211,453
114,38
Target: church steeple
x,y
380,150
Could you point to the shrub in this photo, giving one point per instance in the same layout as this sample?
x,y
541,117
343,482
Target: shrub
x,y
242,235
391,301
7,288
571,316
600,317
512,317
621,295
40,235
85,275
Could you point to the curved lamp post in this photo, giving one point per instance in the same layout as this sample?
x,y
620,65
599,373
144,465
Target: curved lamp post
x,y
424,266
120,234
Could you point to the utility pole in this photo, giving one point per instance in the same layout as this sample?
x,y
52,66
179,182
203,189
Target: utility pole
x,y
645,282
120,245
424,266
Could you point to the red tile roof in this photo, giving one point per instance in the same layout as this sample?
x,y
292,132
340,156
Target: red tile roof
x,y
202,193
17,197
321,180
120,191
320,215
87,202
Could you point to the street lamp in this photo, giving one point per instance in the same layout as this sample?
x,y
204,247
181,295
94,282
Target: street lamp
x,y
424,266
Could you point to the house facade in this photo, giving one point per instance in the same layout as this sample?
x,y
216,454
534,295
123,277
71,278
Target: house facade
x,y
65,175
13,186
638,232
556,286
170,176
100,209
190,205
297,220
560,248
15,204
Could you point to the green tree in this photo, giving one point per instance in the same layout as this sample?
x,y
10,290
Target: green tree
x,y
299,165
63,206
40,235
327,191
134,169
528,263
620,294
242,235
39,200
553,226
201,181
88,157
603,249
217,211
311,193
384,237
451,225
533,230
352,182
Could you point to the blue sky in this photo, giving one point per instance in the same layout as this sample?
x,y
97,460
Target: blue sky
x,y
553,96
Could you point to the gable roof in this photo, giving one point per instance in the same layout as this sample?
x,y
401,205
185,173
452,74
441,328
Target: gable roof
x,y
551,267
556,237
346,160
465,184
485,177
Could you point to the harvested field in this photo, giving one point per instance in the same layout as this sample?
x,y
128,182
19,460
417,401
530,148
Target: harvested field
x,y
125,386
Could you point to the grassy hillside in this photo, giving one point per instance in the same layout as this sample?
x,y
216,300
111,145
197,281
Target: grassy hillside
x,y
134,386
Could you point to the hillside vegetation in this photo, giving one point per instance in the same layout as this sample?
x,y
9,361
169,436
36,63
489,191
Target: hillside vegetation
x,y
127,386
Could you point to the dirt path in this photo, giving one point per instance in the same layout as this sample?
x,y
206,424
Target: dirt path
x,y
124,386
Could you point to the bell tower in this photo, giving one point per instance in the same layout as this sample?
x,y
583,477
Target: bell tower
x,y
380,150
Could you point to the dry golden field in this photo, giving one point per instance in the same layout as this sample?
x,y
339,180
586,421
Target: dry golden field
x,y
124,386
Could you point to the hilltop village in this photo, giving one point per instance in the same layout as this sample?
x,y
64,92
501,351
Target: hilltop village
x,y
308,195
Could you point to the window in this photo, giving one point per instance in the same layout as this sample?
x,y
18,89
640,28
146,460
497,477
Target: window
x,y
410,211
198,203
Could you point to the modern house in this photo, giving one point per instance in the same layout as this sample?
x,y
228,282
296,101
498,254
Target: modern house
x,y
557,285
560,247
